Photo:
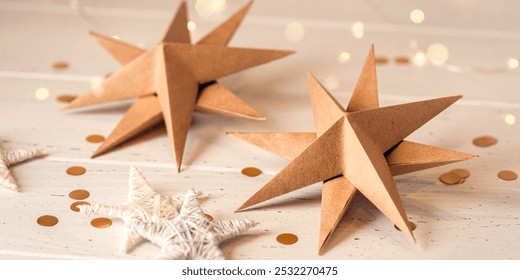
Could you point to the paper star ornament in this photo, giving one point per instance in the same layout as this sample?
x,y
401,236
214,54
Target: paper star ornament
x,y
191,235
8,158
357,148
173,79
143,205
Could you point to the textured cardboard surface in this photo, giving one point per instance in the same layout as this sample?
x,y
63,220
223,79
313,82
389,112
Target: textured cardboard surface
x,y
172,73
359,148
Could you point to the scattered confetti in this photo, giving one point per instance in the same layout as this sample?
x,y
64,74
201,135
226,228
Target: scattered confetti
x,y
381,60
463,173
47,220
287,238
101,222
60,65
485,141
66,98
208,216
74,206
402,60
79,194
95,138
76,170
251,171
412,225
507,175
450,178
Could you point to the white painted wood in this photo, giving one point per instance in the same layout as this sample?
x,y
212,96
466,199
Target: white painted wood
x,y
478,219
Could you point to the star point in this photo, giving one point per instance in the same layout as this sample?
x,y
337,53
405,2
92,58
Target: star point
x,y
12,157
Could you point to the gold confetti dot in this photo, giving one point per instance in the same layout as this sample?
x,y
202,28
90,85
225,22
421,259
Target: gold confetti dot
x,y
74,206
79,194
412,225
485,141
450,178
287,238
463,173
101,222
66,98
251,171
381,60
60,65
208,216
507,175
402,60
76,170
95,138
47,221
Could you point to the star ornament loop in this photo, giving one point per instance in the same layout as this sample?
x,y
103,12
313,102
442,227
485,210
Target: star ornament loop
x,y
175,78
359,148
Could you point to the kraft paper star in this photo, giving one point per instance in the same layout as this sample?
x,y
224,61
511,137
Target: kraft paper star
x,y
143,205
9,158
173,79
191,235
347,142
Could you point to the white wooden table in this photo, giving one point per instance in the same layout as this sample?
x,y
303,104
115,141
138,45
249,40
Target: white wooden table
x,y
475,220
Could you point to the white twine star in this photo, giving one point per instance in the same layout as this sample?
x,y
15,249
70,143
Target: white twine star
x,y
8,158
190,235
143,205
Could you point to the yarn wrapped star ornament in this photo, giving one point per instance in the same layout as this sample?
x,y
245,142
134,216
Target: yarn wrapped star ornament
x,y
191,235
355,149
173,79
9,158
143,205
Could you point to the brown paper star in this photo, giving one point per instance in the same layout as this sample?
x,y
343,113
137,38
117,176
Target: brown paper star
x,y
173,79
348,151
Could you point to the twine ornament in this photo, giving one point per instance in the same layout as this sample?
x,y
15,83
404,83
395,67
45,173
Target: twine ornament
x,y
191,235
143,205
9,158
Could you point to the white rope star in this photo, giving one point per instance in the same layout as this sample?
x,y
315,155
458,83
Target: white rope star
x,y
190,235
143,205
8,158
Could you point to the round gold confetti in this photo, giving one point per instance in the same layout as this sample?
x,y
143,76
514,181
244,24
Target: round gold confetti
x,y
381,60
402,60
208,216
95,138
450,178
60,65
79,194
287,238
66,98
463,173
412,225
507,175
101,222
76,170
485,141
251,171
74,206
47,221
